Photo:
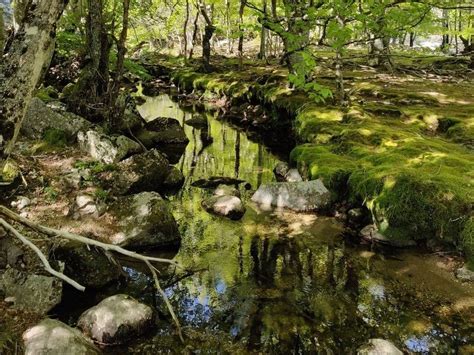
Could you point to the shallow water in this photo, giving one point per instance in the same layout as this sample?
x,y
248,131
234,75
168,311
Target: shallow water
x,y
279,282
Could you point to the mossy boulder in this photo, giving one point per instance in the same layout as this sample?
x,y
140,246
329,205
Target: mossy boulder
x,y
143,221
41,119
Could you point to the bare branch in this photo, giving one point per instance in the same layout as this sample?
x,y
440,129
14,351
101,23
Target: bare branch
x,y
44,260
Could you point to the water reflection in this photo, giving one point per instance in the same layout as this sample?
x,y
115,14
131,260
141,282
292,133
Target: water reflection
x,y
279,282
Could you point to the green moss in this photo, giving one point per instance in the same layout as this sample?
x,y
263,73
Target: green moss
x,y
55,137
10,172
415,185
47,94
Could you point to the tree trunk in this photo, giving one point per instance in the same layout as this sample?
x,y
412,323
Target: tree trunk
x,y
263,36
21,69
116,110
195,33
3,36
206,40
241,32
93,82
185,31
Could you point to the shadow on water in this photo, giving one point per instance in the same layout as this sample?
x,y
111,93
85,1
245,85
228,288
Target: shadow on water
x,y
280,282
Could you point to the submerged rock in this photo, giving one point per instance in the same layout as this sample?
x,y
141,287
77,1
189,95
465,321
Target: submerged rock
x,y
141,172
372,234
379,347
227,206
53,337
464,274
144,220
283,173
35,293
107,149
197,121
40,118
298,196
89,266
116,320
162,131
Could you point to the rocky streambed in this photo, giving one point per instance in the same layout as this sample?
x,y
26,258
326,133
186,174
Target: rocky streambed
x,y
262,270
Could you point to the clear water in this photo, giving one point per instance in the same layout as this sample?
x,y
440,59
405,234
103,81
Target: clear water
x,y
279,282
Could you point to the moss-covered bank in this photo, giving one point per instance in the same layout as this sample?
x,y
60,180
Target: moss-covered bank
x,y
404,149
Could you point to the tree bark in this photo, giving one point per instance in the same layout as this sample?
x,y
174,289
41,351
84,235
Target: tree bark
x,y
195,33
206,40
22,67
241,32
3,36
93,82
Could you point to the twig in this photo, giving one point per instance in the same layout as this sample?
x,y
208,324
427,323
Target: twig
x,y
42,257
165,298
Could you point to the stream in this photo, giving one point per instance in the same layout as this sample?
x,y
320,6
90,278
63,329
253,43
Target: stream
x,y
281,282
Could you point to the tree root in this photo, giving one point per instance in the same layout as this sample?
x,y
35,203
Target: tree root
x,y
78,238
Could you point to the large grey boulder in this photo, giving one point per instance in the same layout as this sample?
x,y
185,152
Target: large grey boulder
x,y
116,320
227,206
40,118
107,148
53,337
89,266
298,196
141,172
144,220
372,234
36,293
379,347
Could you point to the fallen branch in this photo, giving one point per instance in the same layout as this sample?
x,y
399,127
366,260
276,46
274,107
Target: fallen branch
x,y
78,238
42,257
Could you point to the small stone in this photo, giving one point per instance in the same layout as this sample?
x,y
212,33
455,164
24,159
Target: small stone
x,y
464,274
227,206
10,300
372,234
21,203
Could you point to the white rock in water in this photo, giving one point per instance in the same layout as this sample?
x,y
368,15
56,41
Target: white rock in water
x,y
53,337
224,205
300,196
379,347
116,320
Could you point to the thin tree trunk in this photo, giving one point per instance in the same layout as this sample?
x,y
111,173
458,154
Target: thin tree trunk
x,y
263,36
116,110
206,40
195,33
185,31
94,78
21,69
3,36
241,32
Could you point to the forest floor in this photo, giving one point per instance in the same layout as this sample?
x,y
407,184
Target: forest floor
x,y
403,147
